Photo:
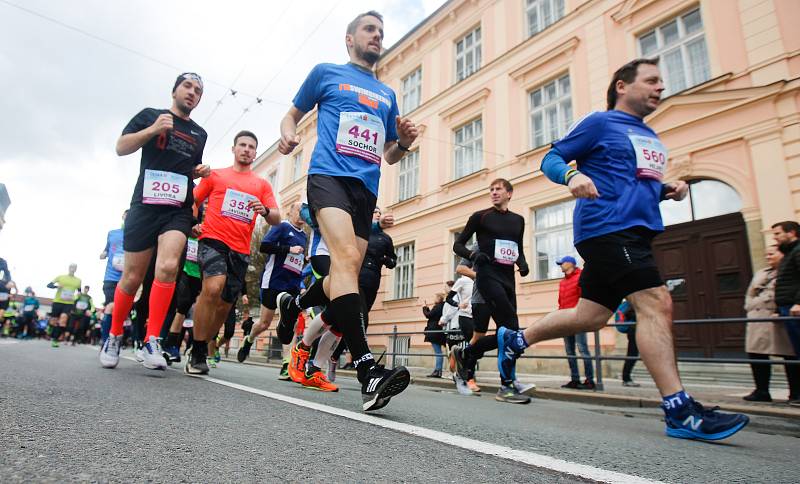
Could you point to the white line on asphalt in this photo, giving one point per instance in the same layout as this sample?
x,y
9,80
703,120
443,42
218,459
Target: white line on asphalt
x,y
536,460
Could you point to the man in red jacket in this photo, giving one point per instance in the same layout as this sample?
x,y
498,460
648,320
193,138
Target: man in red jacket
x,y
568,294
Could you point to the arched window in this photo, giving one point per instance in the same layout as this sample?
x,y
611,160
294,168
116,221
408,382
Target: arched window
x,y
706,199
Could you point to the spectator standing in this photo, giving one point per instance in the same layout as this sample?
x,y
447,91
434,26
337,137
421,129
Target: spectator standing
x,y
433,314
569,292
765,339
787,286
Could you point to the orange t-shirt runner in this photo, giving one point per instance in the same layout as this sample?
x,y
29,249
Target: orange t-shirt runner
x,y
228,218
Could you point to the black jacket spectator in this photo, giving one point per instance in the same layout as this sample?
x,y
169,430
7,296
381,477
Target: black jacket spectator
x,y
787,285
434,315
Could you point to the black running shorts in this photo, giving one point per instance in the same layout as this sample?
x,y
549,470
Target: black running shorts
x,y
617,265
186,292
269,296
60,308
109,287
217,259
481,314
345,193
145,223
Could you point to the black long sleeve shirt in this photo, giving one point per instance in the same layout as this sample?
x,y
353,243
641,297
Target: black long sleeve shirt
x,y
496,233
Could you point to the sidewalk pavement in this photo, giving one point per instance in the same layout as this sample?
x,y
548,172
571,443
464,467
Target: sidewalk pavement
x,y
728,397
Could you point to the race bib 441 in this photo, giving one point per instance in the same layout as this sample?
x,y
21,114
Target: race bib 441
x,y
361,135
164,188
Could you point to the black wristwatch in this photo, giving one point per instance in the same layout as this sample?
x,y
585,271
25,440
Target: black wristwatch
x,y
402,148
266,214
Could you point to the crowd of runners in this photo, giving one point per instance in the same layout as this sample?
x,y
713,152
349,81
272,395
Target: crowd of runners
x,y
184,244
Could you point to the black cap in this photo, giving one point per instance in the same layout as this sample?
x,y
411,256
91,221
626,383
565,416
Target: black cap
x,y
187,75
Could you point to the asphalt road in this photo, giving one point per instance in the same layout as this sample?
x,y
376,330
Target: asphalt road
x,y
63,418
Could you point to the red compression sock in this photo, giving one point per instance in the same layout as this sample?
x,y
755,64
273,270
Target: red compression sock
x,y
160,297
123,302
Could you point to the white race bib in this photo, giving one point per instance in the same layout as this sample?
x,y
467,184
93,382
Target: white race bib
x,y
505,251
191,250
188,323
118,261
293,262
235,205
4,296
67,294
651,157
164,188
27,308
361,135
81,305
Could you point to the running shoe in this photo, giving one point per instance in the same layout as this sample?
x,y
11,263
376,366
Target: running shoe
x,y
196,361
288,317
587,385
54,344
382,384
284,374
462,369
572,385
217,356
461,385
524,388
152,357
138,354
630,383
509,394
109,352
244,350
696,422
473,386
211,362
173,353
314,378
297,363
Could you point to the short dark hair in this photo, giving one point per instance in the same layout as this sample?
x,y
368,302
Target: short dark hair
x,y
626,74
450,283
244,132
502,181
353,25
788,226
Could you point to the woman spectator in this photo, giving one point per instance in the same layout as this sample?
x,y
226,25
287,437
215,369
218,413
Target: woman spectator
x,y
765,339
436,339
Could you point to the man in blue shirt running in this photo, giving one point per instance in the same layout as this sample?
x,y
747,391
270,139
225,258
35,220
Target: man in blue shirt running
x,y
618,184
358,123
115,256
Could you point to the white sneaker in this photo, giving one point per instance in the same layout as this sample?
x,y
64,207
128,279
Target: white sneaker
x,y
152,355
138,354
524,387
461,385
109,352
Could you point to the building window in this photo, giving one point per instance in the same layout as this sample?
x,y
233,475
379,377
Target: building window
x,y
468,149
552,238
706,199
542,13
550,111
408,173
680,46
412,91
297,166
468,54
272,178
404,272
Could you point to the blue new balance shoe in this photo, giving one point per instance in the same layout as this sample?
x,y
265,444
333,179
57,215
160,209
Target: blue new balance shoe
x,y
697,422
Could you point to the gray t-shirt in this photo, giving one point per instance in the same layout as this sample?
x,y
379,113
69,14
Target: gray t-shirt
x,y
476,296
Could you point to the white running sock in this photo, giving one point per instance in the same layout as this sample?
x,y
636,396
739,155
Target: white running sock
x,y
327,345
313,330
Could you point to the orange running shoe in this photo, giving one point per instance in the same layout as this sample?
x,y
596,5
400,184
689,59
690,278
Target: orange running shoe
x,y
318,381
473,386
297,364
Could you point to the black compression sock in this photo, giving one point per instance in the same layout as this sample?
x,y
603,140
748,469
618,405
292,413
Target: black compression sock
x,y
314,296
484,344
173,339
344,314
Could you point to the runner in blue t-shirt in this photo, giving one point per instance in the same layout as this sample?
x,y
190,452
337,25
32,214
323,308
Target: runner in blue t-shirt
x,y
618,184
115,255
284,245
357,124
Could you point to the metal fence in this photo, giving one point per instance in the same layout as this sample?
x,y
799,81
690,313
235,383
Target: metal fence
x,y
598,358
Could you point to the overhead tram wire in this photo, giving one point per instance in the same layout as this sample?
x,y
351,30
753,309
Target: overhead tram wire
x,y
269,83
230,90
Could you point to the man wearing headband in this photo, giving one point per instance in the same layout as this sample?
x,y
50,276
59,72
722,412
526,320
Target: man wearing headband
x,y
160,212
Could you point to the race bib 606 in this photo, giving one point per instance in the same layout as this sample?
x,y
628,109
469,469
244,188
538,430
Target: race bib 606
x,y
505,251
164,188
361,135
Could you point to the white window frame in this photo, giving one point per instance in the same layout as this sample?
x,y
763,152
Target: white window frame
x,y
468,152
412,91
546,12
404,272
552,231
552,101
297,166
690,75
408,176
272,178
468,48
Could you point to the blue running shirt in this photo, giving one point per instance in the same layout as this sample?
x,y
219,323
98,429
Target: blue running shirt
x,y
615,150
282,271
116,256
355,118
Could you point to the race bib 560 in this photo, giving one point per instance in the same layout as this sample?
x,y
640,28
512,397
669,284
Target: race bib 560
x,y
651,157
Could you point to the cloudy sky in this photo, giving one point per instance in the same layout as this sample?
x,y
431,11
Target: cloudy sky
x,y
75,72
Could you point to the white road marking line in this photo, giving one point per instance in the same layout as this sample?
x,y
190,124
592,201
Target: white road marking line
x,y
488,448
